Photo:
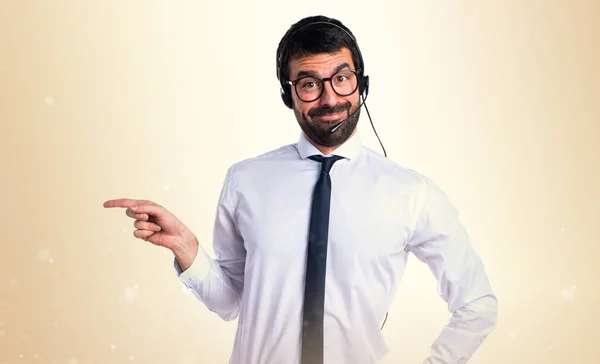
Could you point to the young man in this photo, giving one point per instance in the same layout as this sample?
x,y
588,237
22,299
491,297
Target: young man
x,y
311,240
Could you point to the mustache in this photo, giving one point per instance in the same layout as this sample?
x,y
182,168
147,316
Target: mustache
x,y
326,110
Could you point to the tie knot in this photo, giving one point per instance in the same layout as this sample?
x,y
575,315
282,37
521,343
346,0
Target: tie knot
x,y
326,162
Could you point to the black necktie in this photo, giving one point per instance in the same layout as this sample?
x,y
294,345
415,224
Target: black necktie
x,y
314,290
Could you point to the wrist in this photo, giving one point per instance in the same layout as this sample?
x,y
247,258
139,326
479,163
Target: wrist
x,y
186,250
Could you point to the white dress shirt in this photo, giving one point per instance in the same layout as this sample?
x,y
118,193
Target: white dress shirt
x,y
380,212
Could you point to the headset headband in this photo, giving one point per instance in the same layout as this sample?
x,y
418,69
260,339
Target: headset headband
x,y
291,36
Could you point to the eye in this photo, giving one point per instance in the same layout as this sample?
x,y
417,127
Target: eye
x,y
308,84
341,78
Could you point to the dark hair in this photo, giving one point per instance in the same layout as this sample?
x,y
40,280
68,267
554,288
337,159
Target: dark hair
x,y
301,40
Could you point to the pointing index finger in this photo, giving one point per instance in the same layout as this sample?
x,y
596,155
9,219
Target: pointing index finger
x,y
123,202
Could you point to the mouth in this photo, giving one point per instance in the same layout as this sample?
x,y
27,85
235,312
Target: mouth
x,y
330,117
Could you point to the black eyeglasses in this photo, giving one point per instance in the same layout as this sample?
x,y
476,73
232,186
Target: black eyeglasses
x,y
310,88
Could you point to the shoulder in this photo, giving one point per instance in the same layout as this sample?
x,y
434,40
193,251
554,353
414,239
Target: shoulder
x,y
427,199
264,162
384,167
393,175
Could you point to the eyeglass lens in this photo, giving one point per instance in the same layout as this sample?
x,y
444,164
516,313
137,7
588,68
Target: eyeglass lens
x,y
310,88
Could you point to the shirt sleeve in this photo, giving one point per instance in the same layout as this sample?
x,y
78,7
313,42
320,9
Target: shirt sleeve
x,y
218,283
440,240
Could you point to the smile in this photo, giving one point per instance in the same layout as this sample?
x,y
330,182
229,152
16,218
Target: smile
x,y
330,117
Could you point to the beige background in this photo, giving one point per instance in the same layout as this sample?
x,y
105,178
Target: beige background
x,y
496,101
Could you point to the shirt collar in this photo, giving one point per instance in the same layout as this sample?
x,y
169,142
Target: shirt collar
x,y
350,149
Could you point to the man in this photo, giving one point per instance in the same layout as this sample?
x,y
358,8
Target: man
x,y
311,239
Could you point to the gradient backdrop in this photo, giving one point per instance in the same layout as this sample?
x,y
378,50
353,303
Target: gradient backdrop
x,y
498,102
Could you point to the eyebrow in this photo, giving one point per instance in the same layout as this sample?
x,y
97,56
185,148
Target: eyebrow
x,y
309,73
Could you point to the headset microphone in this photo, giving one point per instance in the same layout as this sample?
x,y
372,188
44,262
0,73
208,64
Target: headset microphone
x,y
338,125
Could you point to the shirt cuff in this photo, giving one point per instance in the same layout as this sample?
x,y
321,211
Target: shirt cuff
x,y
197,272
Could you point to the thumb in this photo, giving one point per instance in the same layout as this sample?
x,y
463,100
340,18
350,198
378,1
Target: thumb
x,y
161,239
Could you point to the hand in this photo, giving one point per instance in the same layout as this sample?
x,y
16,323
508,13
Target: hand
x,y
154,223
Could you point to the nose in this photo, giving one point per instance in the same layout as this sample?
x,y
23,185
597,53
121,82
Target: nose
x,y
329,97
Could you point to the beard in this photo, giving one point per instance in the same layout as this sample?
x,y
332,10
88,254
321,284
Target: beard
x,y
319,131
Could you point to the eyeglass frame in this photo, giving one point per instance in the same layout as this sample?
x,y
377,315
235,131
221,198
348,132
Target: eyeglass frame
x,y
323,80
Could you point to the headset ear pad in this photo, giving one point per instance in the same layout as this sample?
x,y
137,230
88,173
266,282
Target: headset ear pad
x,y
286,96
363,86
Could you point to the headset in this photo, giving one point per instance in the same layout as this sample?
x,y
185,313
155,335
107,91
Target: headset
x,y
286,91
363,80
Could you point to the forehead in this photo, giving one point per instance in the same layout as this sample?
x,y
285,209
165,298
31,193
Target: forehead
x,y
321,64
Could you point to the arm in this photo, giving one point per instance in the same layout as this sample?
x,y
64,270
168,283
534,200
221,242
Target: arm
x,y
440,241
218,283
